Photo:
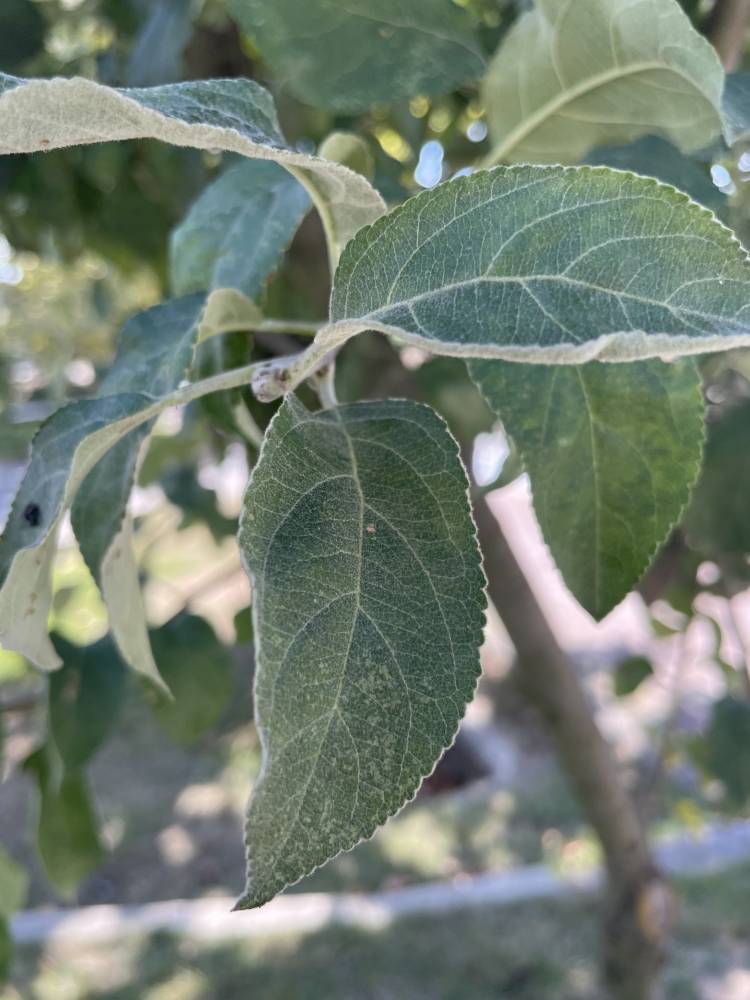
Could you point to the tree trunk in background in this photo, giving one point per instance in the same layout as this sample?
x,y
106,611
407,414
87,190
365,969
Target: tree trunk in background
x,y
640,903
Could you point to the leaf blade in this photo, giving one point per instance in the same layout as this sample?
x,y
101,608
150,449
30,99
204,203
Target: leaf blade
x,y
355,706
612,452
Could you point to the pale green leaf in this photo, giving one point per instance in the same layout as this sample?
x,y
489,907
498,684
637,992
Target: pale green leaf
x,y
237,231
612,452
573,75
368,610
349,54
540,264
237,116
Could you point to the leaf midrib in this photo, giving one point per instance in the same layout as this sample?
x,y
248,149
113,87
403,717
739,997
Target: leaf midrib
x,y
534,121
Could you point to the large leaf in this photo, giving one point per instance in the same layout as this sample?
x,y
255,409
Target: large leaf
x,y
349,54
572,75
68,446
154,352
368,609
612,452
540,264
234,115
236,232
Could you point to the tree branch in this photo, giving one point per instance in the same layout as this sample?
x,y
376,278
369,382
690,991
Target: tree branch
x,y
640,903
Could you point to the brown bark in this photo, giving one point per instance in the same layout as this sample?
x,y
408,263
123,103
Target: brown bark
x,y
640,904
727,28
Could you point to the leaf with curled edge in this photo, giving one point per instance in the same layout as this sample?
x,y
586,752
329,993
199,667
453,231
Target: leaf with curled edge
x,y
569,76
154,353
236,116
350,54
612,452
368,610
540,264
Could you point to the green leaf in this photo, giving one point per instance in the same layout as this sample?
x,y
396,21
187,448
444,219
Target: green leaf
x,y
67,829
655,157
154,352
539,264
717,521
736,107
22,30
85,698
571,76
350,54
6,949
612,452
68,446
156,55
198,670
728,747
631,673
237,116
368,610
238,229
13,885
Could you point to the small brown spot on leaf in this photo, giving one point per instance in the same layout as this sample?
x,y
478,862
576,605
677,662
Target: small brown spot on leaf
x,y
371,529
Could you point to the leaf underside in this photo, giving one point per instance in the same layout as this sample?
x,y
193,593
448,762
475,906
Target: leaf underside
x,y
368,608
573,75
349,55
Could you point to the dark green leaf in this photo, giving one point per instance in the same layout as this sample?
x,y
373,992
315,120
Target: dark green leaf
x,y
349,54
85,698
198,671
630,674
728,750
368,611
612,452
237,231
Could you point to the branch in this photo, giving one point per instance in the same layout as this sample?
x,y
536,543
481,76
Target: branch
x,y
727,28
640,907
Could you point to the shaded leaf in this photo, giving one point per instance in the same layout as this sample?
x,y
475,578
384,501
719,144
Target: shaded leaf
x,y
67,830
14,884
237,116
349,54
728,747
540,264
156,54
368,611
655,157
571,76
197,668
235,234
612,452
717,521
85,698
736,107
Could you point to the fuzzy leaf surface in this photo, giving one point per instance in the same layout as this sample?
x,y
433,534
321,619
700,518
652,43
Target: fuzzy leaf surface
x,y
541,264
237,116
368,613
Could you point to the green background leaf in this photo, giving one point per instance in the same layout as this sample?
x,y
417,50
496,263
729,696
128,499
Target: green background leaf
x,y
611,451
368,611
573,75
349,55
